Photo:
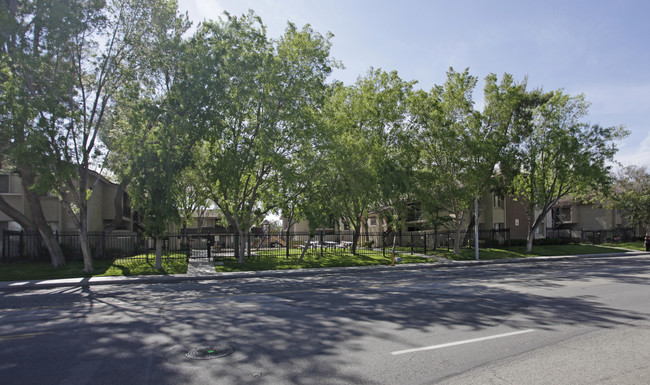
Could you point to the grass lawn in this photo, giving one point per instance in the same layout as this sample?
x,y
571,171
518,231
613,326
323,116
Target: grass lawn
x,y
137,265
628,245
272,261
520,252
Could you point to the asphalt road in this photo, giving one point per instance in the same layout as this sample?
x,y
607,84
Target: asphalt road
x,y
582,321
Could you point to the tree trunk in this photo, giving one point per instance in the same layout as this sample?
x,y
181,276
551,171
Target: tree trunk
x,y
241,253
304,250
159,247
459,224
355,241
85,248
16,215
476,256
39,222
529,242
531,230
392,252
83,221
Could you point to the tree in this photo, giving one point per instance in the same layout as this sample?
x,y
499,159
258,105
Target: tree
x,y
364,121
261,98
631,195
66,61
446,123
558,155
461,147
193,198
150,136
36,87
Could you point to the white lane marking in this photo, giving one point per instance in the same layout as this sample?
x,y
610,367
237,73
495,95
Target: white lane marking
x,y
461,342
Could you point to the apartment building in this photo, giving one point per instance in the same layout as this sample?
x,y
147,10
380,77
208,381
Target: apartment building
x,y
103,204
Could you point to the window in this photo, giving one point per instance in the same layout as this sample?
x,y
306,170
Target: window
x,y
4,184
413,213
372,222
498,201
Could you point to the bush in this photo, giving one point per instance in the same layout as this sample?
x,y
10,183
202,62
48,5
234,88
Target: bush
x,y
368,244
488,243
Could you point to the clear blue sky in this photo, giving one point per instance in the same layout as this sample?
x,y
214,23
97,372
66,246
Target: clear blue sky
x,y
599,48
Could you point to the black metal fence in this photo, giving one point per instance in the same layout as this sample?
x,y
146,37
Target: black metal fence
x,y
28,246
427,241
592,236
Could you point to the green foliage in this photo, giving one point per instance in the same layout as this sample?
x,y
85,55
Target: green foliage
x,y
631,195
558,154
149,137
367,159
258,100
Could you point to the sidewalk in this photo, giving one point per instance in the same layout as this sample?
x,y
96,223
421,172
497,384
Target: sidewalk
x,y
201,270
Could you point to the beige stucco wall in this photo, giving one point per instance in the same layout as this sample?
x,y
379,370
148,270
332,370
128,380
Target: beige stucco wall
x,y
595,218
100,205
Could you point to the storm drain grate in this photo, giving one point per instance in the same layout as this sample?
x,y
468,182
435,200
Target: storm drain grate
x,y
210,352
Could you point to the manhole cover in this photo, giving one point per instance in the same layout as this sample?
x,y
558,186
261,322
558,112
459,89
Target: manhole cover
x,y
210,352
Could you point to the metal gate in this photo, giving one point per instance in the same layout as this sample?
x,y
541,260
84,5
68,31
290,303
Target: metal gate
x,y
212,247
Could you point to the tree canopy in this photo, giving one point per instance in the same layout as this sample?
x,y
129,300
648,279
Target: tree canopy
x,y
252,124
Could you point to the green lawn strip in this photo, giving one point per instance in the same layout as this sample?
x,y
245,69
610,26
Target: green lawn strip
x,y
628,245
313,259
173,263
520,252
137,265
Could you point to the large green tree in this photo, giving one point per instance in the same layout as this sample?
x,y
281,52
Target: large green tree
x,y
65,62
631,195
364,122
149,132
558,155
37,77
461,147
261,98
446,122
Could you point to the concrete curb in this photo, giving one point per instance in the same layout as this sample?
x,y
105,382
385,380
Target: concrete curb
x,y
154,279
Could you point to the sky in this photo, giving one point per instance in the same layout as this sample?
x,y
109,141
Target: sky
x,y
598,48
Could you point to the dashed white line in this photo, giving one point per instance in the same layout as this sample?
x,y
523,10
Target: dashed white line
x,y
433,347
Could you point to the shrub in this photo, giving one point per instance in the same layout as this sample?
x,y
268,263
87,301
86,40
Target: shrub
x,y
368,244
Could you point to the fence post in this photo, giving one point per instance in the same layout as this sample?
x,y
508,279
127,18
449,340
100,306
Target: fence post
x,y
411,242
207,246
288,239
248,244
321,243
425,243
236,244
435,239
